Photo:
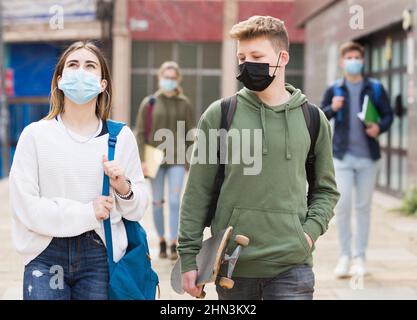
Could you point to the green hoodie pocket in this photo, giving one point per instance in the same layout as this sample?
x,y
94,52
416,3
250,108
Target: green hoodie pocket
x,y
275,236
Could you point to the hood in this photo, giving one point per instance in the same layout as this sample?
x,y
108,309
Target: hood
x,y
296,100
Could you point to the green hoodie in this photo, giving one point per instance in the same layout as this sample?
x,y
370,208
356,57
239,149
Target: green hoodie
x,y
271,207
167,112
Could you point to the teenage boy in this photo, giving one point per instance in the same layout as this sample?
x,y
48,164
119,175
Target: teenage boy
x,y
270,207
356,152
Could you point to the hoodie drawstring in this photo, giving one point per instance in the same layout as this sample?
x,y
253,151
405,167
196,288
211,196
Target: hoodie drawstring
x,y
287,135
263,122
288,155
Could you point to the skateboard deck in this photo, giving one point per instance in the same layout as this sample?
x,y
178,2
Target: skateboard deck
x,y
209,260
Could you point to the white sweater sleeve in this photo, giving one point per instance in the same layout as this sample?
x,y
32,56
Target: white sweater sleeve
x,y
128,156
54,217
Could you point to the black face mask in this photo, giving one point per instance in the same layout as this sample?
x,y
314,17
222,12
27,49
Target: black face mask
x,y
255,75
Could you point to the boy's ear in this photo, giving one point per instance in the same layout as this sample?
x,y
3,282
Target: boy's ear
x,y
284,59
341,63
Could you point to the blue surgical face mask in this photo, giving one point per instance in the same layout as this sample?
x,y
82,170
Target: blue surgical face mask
x,y
353,66
168,84
80,86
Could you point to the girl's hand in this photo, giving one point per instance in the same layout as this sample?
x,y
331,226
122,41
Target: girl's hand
x,y
116,174
102,206
144,169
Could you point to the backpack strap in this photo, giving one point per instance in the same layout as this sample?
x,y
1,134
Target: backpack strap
x,y
114,129
312,119
149,116
228,108
376,89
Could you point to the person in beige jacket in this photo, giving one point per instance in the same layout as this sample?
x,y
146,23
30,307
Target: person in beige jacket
x,y
167,109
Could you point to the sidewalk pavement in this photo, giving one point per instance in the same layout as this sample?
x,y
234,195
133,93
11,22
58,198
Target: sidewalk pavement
x,y
392,258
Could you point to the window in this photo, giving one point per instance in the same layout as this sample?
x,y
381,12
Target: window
x,y
294,69
200,65
392,74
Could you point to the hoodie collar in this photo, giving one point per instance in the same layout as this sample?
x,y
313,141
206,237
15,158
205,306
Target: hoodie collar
x,y
296,100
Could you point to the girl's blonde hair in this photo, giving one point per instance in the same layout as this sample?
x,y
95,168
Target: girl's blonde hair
x,y
104,99
173,66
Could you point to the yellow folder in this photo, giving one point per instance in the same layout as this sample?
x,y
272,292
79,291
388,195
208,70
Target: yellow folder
x,y
153,159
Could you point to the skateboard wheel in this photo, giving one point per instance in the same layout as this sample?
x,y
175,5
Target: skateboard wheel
x,y
242,240
226,283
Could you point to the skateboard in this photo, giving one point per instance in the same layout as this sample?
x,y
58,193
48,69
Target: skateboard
x,y
209,260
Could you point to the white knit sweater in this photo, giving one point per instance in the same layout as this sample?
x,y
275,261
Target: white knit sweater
x,y
54,180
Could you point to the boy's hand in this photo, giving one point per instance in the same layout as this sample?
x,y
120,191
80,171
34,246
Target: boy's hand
x,y
189,280
373,130
337,103
310,242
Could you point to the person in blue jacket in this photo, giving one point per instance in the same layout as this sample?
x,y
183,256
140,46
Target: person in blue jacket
x,y
356,152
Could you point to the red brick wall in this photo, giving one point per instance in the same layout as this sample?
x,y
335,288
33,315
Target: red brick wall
x,y
198,20
282,10
178,20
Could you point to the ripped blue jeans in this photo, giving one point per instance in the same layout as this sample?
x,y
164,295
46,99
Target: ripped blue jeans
x,y
68,269
175,176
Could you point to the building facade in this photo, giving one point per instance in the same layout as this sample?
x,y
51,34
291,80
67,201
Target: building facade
x,y
144,34
387,31
195,34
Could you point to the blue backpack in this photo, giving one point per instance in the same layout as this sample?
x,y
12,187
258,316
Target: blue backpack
x,y
132,278
338,92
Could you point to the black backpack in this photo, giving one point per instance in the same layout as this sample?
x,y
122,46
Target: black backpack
x,y
228,108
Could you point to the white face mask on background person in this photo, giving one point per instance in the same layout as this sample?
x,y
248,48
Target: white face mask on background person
x,y
353,66
168,84
80,86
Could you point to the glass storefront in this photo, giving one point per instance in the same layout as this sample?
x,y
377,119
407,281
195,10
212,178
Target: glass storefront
x,y
386,60
200,64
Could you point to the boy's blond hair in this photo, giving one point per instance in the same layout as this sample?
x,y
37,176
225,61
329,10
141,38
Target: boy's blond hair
x,y
351,46
262,26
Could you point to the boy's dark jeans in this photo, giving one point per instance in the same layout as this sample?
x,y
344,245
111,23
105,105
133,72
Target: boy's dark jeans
x,y
296,283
